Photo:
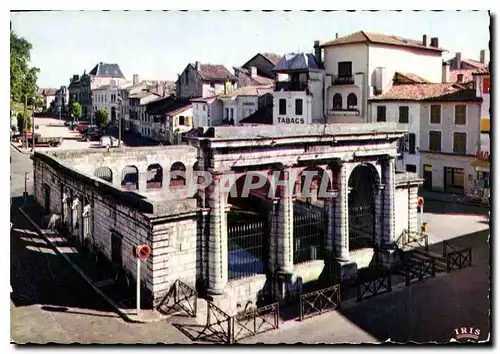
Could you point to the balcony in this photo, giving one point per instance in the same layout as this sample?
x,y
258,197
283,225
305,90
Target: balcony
x,y
344,112
290,86
343,80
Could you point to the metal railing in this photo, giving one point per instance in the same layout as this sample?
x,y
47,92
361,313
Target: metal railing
x,y
180,297
377,282
413,239
319,302
418,269
309,235
255,321
457,258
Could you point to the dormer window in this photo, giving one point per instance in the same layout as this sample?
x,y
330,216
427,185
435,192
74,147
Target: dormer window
x,y
460,78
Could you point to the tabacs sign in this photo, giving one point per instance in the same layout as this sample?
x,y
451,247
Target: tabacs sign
x,y
291,120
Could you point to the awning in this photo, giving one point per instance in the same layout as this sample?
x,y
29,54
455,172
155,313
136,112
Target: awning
x,y
480,164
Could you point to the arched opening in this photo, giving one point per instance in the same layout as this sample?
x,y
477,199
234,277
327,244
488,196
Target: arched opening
x,y
352,101
177,175
130,178
155,176
104,173
248,227
337,101
309,215
362,184
113,115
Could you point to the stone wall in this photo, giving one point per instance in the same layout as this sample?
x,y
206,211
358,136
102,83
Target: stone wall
x,y
171,235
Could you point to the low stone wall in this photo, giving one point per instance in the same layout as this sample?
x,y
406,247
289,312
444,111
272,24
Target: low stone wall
x,y
238,294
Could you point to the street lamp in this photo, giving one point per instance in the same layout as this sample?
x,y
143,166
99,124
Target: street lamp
x,y
119,121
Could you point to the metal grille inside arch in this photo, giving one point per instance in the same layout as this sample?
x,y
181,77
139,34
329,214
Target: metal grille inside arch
x,y
362,207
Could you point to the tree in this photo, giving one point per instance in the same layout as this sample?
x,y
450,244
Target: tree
x,y
21,123
76,110
22,77
103,118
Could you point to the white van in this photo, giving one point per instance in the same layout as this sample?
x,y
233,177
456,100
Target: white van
x,y
109,141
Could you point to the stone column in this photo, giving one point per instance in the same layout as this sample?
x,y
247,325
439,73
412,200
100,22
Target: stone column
x,y
273,237
143,179
217,243
388,237
285,227
342,216
378,196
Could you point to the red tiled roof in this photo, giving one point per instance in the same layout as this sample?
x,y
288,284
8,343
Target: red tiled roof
x,y
379,38
272,57
428,92
46,91
250,91
412,78
215,72
482,71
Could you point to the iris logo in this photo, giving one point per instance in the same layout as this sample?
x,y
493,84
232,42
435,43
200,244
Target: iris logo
x,y
467,333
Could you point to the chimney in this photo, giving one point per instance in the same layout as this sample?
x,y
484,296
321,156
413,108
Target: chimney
x,y
424,40
135,79
253,71
198,66
435,42
458,61
317,53
445,77
482,56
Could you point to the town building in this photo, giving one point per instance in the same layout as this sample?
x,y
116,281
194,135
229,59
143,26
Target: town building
x,y
205,80
361,65
169,120
207,112
443,125
258,70
298,92
237,249
61,101
48,97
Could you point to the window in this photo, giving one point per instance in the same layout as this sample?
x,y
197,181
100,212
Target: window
x,y
454,180
227,113
381,112
181,120
204,108
352,101
298,107
337,102
212,84
460,77
282,106
345,69
435,114
460,143
404,114
232,113
411,143
460,114
411,168
435,141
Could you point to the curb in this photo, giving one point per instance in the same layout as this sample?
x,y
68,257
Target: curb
x,y
122,314
19,150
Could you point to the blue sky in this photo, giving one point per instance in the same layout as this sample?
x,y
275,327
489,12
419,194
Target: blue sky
x,y
158,45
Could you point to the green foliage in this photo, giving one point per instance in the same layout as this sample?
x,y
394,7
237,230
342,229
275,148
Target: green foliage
x,y
76,110
21,121
22,77
103,118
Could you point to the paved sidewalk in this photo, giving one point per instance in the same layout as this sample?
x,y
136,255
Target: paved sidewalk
x,y
98,276
448,198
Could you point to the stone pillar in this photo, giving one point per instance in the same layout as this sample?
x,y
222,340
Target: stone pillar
x,y
117,177
143,179
217,243
378,196
273,238
388,237
413,217
342,217
285,229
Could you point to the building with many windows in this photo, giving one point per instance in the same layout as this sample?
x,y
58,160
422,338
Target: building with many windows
x,y
443,124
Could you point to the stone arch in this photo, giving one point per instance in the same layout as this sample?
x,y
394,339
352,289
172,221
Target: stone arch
x,y
337,101
362,184
177,175
352,101
104,173
154,176
248,226
130,178
309,189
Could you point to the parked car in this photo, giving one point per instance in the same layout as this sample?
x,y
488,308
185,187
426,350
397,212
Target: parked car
x,y
109,141
93,135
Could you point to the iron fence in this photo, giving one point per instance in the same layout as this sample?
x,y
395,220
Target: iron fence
x,y
309,234
247,249
255,321
180,297
319,302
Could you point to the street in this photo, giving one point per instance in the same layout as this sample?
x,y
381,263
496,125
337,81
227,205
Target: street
x,y
51,303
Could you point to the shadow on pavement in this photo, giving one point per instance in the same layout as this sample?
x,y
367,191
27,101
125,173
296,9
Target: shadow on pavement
x,y
430,310
435,207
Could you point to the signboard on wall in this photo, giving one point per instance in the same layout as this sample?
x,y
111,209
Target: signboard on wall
x,y
291,120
